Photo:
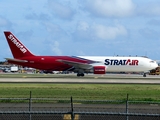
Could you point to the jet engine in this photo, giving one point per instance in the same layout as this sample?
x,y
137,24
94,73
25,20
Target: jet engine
x,y
99,69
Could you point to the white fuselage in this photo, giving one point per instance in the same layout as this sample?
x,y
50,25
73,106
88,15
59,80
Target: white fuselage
x,y
123,64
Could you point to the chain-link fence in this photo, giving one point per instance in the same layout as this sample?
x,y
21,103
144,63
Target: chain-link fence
x,y
62,109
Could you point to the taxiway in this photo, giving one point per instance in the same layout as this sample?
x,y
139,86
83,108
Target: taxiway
x,y
88,79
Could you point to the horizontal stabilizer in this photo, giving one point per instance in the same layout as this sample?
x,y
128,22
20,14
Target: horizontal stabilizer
x,y
16,60
76,64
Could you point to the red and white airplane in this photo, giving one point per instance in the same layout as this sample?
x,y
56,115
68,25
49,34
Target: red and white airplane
x,y
80,64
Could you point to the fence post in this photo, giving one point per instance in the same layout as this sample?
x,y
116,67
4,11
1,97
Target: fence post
x,y
30,105
72,114
127,108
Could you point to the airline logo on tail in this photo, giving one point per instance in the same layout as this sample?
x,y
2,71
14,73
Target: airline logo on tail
x,y
121,62
21,47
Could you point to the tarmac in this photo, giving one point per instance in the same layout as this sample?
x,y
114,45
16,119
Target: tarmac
x,y
87,79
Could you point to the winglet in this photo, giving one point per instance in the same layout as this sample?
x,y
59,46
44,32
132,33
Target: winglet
x,y
17,48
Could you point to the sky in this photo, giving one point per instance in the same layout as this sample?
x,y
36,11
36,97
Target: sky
x,y
82,27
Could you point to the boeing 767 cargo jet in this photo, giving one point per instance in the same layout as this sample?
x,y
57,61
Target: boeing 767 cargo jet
x,y
80,64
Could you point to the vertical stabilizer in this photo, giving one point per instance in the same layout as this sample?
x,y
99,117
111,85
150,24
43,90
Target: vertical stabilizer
x,y
17,48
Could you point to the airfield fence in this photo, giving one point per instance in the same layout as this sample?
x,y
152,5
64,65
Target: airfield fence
x,y
63,109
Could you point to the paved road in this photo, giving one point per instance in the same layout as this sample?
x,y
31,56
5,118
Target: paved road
x,y
56,111
97,79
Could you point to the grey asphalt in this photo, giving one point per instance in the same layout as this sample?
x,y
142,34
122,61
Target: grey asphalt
x,y
91,79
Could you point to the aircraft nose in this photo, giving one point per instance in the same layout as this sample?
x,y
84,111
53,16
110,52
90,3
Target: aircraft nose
x,y
154,65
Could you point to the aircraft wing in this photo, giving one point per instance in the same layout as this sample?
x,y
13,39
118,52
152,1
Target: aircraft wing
x,y
16,60
76,64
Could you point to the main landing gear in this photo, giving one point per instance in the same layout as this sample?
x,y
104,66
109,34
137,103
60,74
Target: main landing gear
x,y
144,74
80,74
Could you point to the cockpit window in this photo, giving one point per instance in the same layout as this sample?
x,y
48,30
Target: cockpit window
x,y
152,61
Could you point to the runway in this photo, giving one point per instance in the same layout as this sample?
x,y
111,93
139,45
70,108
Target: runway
x,y
88,79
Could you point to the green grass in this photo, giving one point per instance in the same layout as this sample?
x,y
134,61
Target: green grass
x,y
148,92
81,91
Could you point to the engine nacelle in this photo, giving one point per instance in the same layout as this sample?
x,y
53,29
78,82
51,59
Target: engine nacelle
x,y
99,70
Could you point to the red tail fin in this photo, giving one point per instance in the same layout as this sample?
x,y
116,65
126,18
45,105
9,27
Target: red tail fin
x,y
17,48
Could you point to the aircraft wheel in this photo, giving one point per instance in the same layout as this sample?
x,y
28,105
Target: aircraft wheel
x,y
144,75
80,74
